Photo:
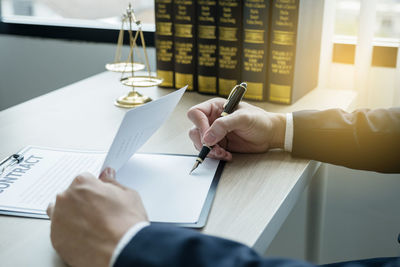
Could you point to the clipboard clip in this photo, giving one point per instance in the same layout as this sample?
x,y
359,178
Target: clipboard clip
x,y
10,161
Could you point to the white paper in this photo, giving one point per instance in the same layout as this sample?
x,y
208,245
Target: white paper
x,y
168,192
138,125
33,184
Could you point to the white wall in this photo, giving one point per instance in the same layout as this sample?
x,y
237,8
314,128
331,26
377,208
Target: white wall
x,y
30,67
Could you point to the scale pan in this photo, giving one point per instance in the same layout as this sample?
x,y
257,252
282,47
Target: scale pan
x,y
124,67
141,81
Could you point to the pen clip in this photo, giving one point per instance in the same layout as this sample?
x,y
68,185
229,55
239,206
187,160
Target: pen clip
x,y
230,95
11,160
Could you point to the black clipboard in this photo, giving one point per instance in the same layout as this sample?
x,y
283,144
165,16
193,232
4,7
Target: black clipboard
x,y
197,225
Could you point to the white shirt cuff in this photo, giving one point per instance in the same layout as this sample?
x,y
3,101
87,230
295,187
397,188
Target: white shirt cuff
x,y
289,132
125,240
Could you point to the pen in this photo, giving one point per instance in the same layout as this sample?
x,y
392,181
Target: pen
x,y
233,100
10,161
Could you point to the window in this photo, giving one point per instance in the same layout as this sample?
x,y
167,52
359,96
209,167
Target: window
x,y
347,17
77,19
386,38
388,19
387,24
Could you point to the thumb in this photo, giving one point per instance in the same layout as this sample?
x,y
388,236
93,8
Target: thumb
x,y
108,176
221,127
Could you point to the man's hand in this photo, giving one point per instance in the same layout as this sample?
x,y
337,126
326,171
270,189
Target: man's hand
x,y
248,130
91,216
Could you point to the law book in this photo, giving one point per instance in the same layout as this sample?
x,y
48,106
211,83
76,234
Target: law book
x,y
207,53
255,48
229,45
184,13
164,42
295,40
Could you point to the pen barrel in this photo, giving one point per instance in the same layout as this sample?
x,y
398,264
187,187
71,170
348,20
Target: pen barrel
x,y
234,99
203,153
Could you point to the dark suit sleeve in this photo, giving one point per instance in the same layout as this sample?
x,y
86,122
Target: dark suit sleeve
x,y
364,139
158,245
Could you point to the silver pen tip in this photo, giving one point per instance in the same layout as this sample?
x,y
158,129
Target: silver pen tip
x,y
196,164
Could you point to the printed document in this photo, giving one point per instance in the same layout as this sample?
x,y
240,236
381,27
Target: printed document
x,y
169,193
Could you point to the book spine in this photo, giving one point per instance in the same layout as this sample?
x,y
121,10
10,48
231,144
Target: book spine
x,y
282,52
255,48
164,42
207,54
184,43
229,45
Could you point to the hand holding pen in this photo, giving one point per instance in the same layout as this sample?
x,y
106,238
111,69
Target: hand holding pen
x,y
248,129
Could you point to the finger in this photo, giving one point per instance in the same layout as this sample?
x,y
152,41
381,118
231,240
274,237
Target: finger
x,y
108,176
194,135
50,209
82,178
222,126
205,113
199,119
220,153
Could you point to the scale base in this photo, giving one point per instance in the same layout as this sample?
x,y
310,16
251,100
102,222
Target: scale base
x,y
131,100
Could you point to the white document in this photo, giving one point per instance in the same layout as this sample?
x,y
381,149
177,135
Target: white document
x,y
138,125
169,193
31,185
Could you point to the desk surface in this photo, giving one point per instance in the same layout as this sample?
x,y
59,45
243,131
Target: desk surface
x,y
254,196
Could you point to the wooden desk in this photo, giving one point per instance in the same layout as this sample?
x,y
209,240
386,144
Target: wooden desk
x,y
255,194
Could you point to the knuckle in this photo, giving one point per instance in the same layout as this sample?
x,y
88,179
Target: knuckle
x,y
80,179
221,123
134,194
60,197
190,111
245,117
193,133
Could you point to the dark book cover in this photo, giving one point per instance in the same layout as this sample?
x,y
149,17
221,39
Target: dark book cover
x,y
229,44
255,48
164,42
185,43
207,44
295,41
282,49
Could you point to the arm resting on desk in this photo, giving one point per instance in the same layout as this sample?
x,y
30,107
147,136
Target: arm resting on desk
x,y
364,139
172,246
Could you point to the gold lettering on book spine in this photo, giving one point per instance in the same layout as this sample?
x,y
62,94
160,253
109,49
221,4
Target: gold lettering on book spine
x,y
283,38
225,86
182,79
280,93
228,34
254,36
207,84
207,32
167,76
183,30
254,91
164,28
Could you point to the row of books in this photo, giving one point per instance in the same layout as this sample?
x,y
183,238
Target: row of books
x,y
212,45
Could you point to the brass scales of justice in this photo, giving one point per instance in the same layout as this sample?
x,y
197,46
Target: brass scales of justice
x,y
129,67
